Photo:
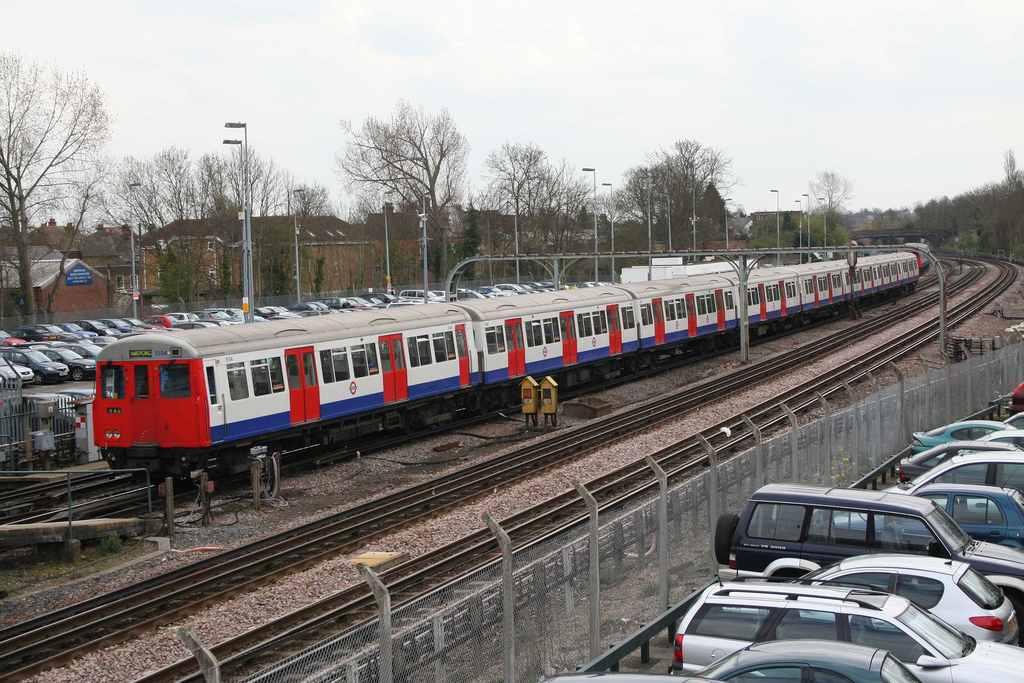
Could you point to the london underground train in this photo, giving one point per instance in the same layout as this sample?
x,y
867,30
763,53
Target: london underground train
x,y
202,399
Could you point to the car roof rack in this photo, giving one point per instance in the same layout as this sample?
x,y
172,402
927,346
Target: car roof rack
x,y
852,595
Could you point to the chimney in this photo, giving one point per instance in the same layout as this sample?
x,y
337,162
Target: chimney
x,y
53,223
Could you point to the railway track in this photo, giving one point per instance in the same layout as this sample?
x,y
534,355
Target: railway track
x,y
49,641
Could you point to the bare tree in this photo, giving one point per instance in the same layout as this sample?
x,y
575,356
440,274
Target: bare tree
x,y
516,175
52,126
836,190
413,153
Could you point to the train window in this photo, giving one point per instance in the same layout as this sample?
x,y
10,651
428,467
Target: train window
x,y
238,387
326,366
670,310
276,375
211,385
141,381
449,345
534,333
790,290
645,315
385,355
551,335
175,381
112,381
728,300
440,352
495,340
460,342
333,365
702,305
680,309
600,319
399,355
628,319
292,363
423,348
260,377
583,324
364,360
569,324
414,353
753,297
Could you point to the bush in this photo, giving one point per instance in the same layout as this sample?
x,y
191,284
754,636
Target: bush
x,y
111,545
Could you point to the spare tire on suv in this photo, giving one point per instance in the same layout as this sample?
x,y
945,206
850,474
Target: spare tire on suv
x,y
725,529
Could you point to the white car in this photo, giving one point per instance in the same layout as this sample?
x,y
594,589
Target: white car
x,y
950,590
432,297
729,616
994,468
13,371
1009,436
1017,420
515,289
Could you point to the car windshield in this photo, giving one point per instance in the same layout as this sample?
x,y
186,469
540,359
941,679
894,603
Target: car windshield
x,y
1018,499
102,326
894,671
68,354
36,357
135,321
120,324
87,350
948,531
950,643
73,327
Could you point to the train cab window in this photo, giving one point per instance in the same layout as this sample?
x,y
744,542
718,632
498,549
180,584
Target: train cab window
x,y
211,385
112,382
238,386
534,333
175,381
141,381
551,334
495,340
460,342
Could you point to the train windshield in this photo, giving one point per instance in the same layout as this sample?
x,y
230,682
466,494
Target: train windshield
x,y
112,381
175,381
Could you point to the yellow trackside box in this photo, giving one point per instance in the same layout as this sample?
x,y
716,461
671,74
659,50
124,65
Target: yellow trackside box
x,y
528,389
548,396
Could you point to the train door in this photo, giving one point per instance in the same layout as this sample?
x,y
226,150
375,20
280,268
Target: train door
x,y
831,291
764,302
303,389
614,330
659,322
817,295
720,302
462,350
782,297
567,324
392,365
143,407
691,316
516,347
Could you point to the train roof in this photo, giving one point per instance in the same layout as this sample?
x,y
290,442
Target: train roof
x,y
541,302
274,334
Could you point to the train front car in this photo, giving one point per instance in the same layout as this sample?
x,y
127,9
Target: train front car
x,y
151,405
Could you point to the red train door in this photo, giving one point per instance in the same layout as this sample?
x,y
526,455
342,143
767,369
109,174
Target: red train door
x,y
392,365
463,353
303,389
764,302
720,302
568,329
515,346
691,316
659,322
782,296
830,291
614,331
817,299
143,407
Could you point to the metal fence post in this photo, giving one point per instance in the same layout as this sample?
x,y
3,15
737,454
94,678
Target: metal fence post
x,y
662,531
901,380
595,571
383,598
508,599
828,437
712,485
949,391
759,464
208,664
856,416
793,441
878,419
927,395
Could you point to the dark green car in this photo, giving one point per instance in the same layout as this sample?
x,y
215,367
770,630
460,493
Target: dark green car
x,y
809,661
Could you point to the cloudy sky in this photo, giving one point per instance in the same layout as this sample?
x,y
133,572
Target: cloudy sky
x,y
908,100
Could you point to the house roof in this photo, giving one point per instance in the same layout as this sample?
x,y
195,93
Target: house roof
x,y
44,272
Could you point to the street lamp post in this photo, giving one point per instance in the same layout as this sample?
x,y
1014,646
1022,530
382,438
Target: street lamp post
x,y
693,218
594,171
611,214
131,236
800,227
249,294
515,227
824,222
650,241
725,203
668,214
387,243
298,287
778,232
807,203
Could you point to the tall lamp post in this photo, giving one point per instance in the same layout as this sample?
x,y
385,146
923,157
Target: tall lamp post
x,y
800,227
650,241
131,236
824,221
515,227
778,232
807,203
594,171
693,218
668,214
387,244
248,294
298,287
611,214
725,203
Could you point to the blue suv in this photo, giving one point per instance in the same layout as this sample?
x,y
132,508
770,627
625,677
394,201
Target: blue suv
x,y
987,513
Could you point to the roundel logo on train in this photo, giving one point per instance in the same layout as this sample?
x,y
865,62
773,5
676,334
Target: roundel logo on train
x,y
593,342
544,351
352,388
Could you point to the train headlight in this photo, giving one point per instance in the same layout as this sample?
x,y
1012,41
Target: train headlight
x,y
117,434
109,433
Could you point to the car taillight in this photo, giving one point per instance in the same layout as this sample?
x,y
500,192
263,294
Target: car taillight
x,y
732,563
917,442
988,623
677,648
903,477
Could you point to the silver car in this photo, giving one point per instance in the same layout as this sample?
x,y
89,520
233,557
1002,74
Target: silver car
x,y
950,590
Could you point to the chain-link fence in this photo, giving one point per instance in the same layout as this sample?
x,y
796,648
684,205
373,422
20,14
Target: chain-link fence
x,y
455,633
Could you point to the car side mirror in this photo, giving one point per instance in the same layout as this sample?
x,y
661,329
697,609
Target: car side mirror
x,y
936,549
929,662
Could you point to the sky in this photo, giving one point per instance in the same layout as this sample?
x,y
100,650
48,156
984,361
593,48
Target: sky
x,y
908,100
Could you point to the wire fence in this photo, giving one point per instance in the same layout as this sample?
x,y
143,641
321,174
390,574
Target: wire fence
x,y
458,632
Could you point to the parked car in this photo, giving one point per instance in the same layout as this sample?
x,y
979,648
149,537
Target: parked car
x,y
510,287
43,369
463,294
9,340
379,298
993,468
75,329
11,371
193,325
809,661
1016,420
144,326
789,530
33,333
492,292
917,465
85,350
730,616
218,317
1012,436
432,297
100,328
80,368
162,320
313,313
966,430
77,393
1017,400
118,324
950,590
988,513
102,340
405,302
308,306
275,312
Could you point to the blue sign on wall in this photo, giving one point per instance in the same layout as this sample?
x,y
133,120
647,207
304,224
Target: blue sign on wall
x,y
79,275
